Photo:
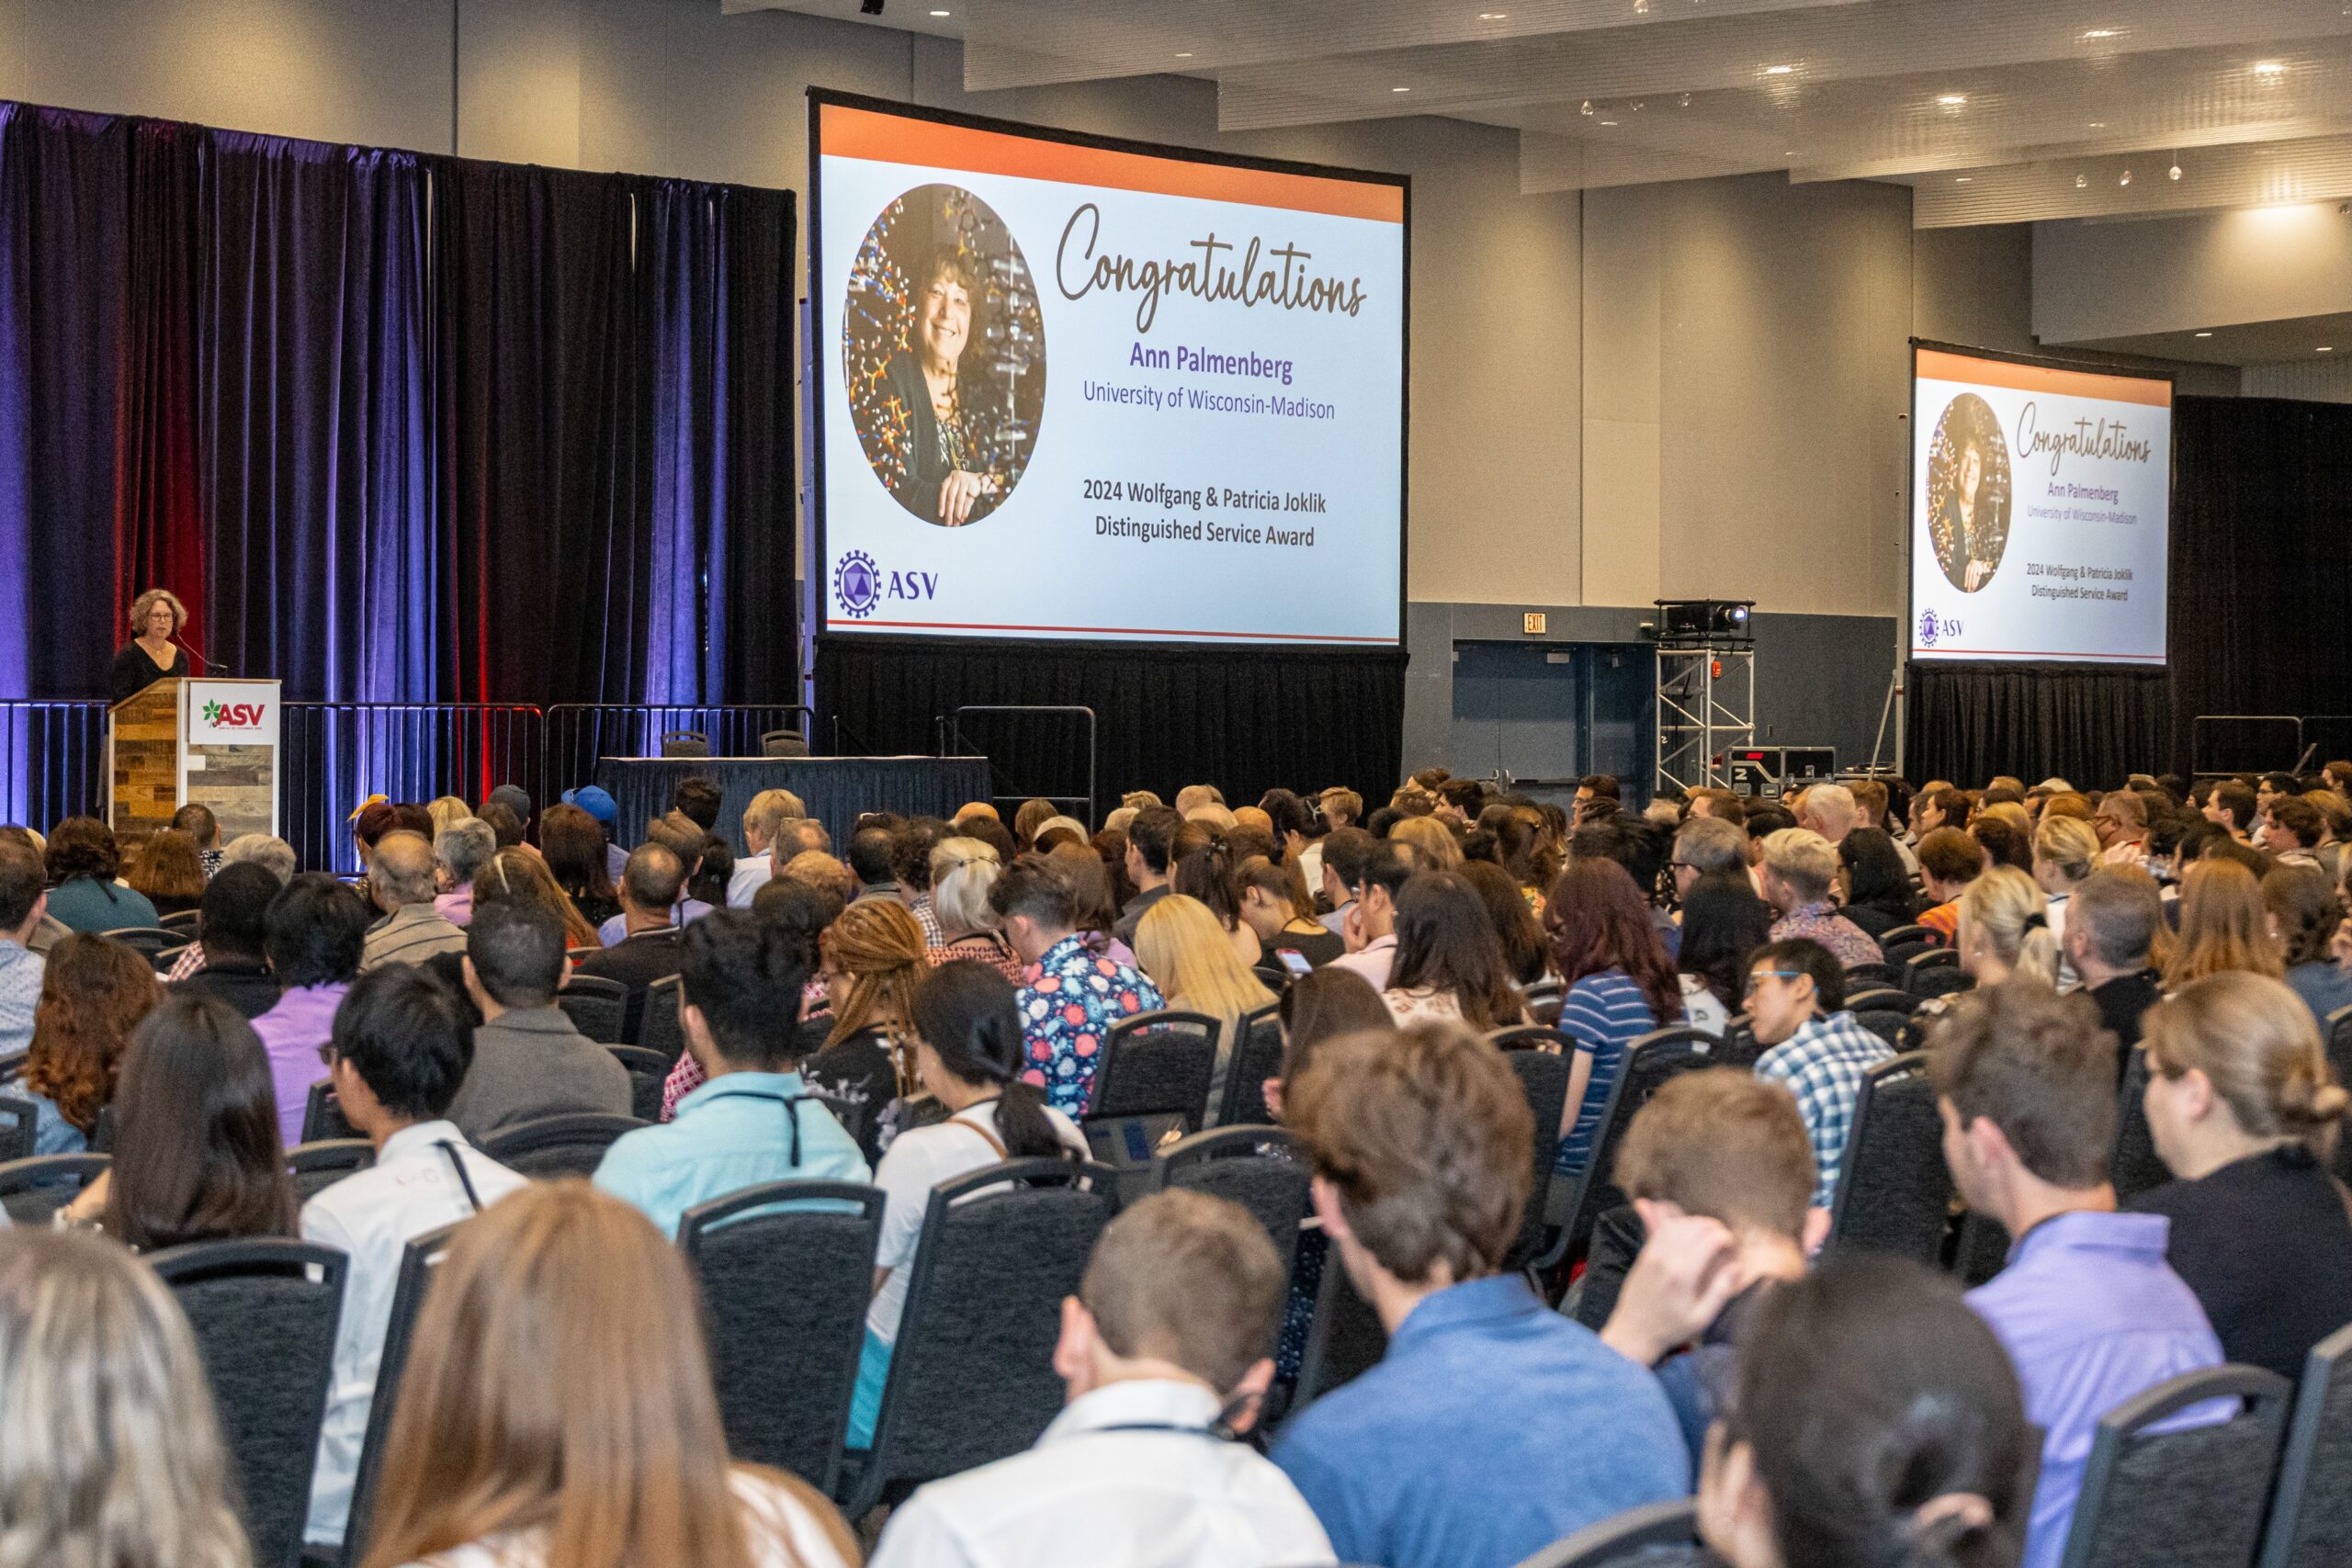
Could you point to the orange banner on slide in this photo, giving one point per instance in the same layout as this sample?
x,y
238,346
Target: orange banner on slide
x,y
1934,365
847,132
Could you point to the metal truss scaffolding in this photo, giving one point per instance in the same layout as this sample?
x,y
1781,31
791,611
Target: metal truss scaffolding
x,y
1706,707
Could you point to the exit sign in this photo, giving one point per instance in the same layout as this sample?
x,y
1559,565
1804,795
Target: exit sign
x,y
1532,622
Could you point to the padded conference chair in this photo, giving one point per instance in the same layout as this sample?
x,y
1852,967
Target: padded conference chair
x,y
1980,1250
597,1007
549,1146
265,1311
317,1167
1153,1073
419,1261
1650,1062
2192,1498
684,743
971,1376
2339,1057
660,1028
783,743
1893,1189
1257,1056
784,1397
2311,1513
322,1117
1544,1001
1623,1542
1864,975
2134,1167
33,1190
1252,1166
18,1118
1345,1340
647,1075
1538,1055
1935,973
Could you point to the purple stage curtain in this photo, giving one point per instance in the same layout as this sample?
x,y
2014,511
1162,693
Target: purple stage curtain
x,y
396,428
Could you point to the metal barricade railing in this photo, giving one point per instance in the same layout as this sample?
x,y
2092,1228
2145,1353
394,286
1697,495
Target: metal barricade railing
x,y
1013,764
579,733
52,759
333,755
2243,742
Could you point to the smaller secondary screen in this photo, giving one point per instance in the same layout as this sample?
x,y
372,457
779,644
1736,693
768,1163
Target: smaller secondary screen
x,y
2041,511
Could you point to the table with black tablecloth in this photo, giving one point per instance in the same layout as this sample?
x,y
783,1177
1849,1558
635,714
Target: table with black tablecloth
x,y
836,790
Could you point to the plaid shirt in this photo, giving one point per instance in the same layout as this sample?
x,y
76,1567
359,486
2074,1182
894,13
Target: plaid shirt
x,y
1822,1064
1847,942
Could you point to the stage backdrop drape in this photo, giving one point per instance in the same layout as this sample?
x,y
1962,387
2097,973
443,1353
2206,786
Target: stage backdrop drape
x,y
396,427
1245,719
2260,570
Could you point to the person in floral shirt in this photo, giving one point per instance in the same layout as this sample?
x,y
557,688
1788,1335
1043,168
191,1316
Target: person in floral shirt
x,y
1074,992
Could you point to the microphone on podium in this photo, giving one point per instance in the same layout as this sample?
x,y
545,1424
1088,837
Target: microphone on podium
x,y
193,652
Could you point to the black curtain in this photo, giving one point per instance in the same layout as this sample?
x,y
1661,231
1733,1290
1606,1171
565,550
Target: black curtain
x,y
2260,572
1243,719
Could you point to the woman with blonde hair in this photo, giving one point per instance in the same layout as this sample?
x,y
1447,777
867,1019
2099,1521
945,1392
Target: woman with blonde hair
x,y
2003,930
2246,1112
2065,850
962,871
873,956
1431,841
497,1460
111,1449
2223,926
1185,951
446,810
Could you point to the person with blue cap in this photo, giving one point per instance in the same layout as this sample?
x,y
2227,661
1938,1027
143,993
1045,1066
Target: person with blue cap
x,y
593,799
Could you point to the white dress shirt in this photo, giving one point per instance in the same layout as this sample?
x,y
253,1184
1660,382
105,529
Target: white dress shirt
x,y
751,874
1097,1492
372,1216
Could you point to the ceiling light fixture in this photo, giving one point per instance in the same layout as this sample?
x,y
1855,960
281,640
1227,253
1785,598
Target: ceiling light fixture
x,y
2204,334
1585,108
1780,71
1962,179
1184,55
1400,89
943,13
2126,179
1951,100
2326,348
2098,33
2268,68
1608,122
2081,181
2175,170
1493,16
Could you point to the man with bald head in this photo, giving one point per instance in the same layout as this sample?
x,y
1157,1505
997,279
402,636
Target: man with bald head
x,y
1829,810
400,880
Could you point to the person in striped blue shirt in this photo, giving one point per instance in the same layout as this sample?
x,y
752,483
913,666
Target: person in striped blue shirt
x,y
1621,986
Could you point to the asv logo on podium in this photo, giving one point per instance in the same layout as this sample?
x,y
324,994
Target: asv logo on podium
x,y
234,716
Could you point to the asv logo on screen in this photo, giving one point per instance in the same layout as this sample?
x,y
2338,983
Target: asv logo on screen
x,y
1934,628
233,715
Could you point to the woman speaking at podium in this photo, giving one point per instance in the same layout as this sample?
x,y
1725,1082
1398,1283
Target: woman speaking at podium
x,y
151,655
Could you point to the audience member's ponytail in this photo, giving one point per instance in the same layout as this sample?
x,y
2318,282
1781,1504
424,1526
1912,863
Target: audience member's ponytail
x,y
2010,912
968,1014
1885,1421
2257,1044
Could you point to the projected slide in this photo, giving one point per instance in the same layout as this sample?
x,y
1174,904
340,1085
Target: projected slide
x,y
1075,390
2041,501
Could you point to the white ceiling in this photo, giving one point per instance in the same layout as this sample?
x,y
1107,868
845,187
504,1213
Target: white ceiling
x,y
1999,110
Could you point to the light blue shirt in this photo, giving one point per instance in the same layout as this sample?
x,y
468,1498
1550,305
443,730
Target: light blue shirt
x,y
1492,1428
20,978
734,1132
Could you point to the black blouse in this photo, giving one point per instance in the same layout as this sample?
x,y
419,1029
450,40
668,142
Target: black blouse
x,y
2266,1244
134,672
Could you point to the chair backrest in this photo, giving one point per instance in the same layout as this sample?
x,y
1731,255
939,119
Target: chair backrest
x,y
1650,1062
33,1190
784,1297
1156,1064
1893,1189
783,743
419,1259
1345,1340
549,1146
684,743
265,1311
597,1007
2134,1167
2191,1497
659,1028
1257,1055
149,940
317,1167
167,959
322,1117
18,1118
1545,998
1906,936
2311,1511
1539,1057
1740,1047
647,1072
1882,999
1934,973
972,1375
1887,1026
186,924
1866,976
1620,1541
1254,1167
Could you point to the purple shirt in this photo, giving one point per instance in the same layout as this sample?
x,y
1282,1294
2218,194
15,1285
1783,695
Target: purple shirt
x,y
291,1032
2091,1314
457,906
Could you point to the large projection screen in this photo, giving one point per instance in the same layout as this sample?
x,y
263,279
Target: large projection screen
x,y
2040,511
1081,389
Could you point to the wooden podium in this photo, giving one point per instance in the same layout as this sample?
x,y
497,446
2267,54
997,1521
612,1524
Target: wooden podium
x,y
210,742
